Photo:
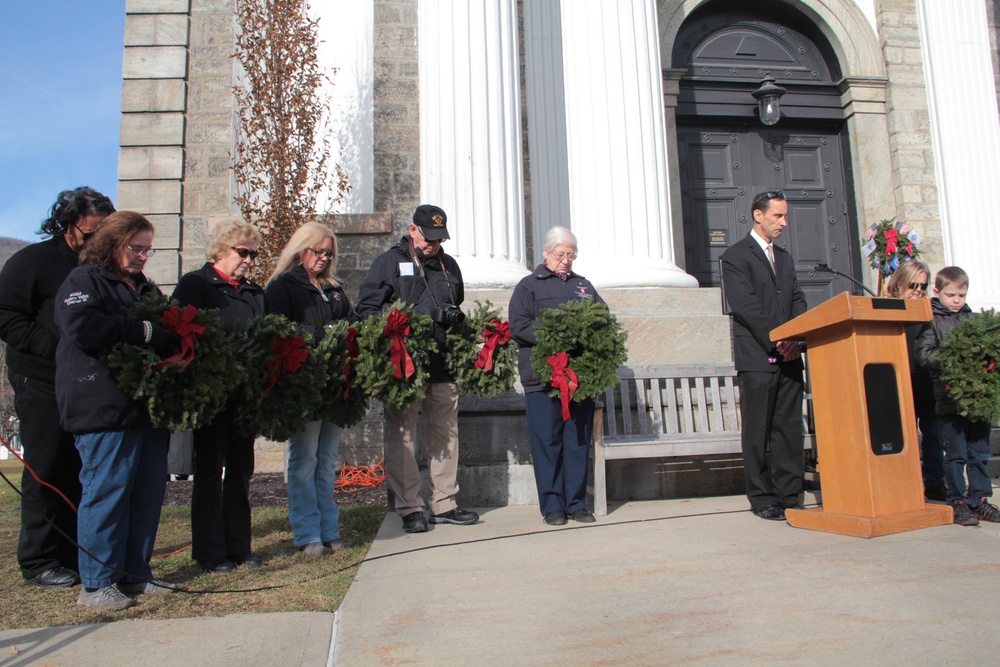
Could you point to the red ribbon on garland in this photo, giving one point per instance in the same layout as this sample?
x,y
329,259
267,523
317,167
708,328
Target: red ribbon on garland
x,y
496,333
183,325
992,366
561,378
352,353
289,354
399,328
891,238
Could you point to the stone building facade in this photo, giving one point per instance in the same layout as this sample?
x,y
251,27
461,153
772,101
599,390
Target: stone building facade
x,y
516,115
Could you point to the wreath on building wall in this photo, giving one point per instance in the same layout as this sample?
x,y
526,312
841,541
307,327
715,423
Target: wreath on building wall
x,y
343,402
579,343
185,390
970,366
481,355
394,350
284,379
888,244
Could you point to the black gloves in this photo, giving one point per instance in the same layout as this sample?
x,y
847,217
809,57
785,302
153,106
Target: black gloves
x,y
165,343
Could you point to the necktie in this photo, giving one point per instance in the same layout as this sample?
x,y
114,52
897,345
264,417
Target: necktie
x,y
770,256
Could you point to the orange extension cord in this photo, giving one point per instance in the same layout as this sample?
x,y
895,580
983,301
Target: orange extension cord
x,y
358,478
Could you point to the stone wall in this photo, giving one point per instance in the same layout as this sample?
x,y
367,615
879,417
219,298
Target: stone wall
x,y
913,176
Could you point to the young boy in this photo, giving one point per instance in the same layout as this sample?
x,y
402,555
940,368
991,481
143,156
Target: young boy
x,y
966,443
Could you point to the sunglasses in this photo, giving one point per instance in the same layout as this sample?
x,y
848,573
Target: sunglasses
x,y
86,236
758,201
246,252
920,286
325,254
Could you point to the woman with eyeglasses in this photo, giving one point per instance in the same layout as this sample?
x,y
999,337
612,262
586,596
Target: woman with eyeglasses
x,y
124,459
305,289
46,552
559,449
910,281
220,508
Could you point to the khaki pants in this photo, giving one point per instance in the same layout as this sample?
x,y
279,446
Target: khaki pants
x,y
440,407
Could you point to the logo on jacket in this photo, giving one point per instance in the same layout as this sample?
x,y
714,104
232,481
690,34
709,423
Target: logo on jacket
x,y
581,292
76,297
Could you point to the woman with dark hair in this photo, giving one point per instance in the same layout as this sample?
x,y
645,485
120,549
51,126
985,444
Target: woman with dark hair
x,y
124,458
559,448
305,289
46,553
220,508
910,281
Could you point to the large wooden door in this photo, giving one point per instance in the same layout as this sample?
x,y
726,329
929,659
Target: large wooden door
x,y
722,167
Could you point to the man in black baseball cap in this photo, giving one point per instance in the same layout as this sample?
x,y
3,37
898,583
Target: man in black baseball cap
x,y
418,271
433,222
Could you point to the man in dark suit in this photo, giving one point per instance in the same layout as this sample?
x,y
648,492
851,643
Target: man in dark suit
x,y
759,283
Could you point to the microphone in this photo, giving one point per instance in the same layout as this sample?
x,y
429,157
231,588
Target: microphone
x,y
823,268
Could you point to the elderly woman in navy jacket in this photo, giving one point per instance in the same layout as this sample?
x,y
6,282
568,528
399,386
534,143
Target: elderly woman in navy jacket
x,y
220,509
559,449
124,458
305,289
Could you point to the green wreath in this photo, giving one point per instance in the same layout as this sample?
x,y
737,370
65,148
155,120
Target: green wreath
x,y
592,338
382,367
284,379
343,402
970,366
889,245
481,355
178,394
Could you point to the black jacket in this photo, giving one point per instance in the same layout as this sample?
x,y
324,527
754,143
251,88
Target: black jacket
x,y
205,288
90,313
292,294
394,275
541,289
28,285
926,348
759,301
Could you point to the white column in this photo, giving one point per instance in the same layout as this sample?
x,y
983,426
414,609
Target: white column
x,y
607,102
965,133
470,134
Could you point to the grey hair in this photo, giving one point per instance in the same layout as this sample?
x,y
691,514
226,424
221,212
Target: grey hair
x,y
558,236
228,232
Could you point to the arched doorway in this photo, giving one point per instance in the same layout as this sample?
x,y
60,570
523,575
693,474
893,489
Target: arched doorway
x,y
726,155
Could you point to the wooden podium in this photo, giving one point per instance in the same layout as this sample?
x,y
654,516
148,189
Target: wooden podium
x,y
866,433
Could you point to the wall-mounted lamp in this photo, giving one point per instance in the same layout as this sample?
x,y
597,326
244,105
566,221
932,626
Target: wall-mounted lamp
x,y
767,97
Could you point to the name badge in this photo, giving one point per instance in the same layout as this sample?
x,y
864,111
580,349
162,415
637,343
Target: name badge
x,y
406,268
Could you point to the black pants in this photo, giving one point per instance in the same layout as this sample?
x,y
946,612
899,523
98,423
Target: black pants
x,y
220,508
52,454
773,459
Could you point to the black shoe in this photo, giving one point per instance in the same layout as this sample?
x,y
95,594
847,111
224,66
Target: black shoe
x,y
583,516
414,522
796,506
221,567
457,516
771,513
937,492
249,561
54,577
962,515
986,511
555,518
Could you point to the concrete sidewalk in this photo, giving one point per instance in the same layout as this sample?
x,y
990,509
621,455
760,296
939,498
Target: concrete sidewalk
x,y
701,581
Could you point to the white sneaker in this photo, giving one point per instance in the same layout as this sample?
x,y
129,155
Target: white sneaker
x,y
105,599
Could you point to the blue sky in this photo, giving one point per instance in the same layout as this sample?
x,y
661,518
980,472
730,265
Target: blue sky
x,y
60,104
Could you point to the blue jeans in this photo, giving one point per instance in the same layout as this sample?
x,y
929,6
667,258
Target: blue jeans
x,y
312,473
124,477
931,451
966,452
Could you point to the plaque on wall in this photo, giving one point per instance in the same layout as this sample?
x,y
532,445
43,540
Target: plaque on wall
x,y
718,237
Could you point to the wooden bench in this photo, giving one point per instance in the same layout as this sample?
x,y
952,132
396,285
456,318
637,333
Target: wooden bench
x,y
668,411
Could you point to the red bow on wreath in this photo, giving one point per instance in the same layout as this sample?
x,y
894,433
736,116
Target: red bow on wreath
x,y
992,366
399,328
891,238
562,378
289,354
183,325
352,353
498,334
